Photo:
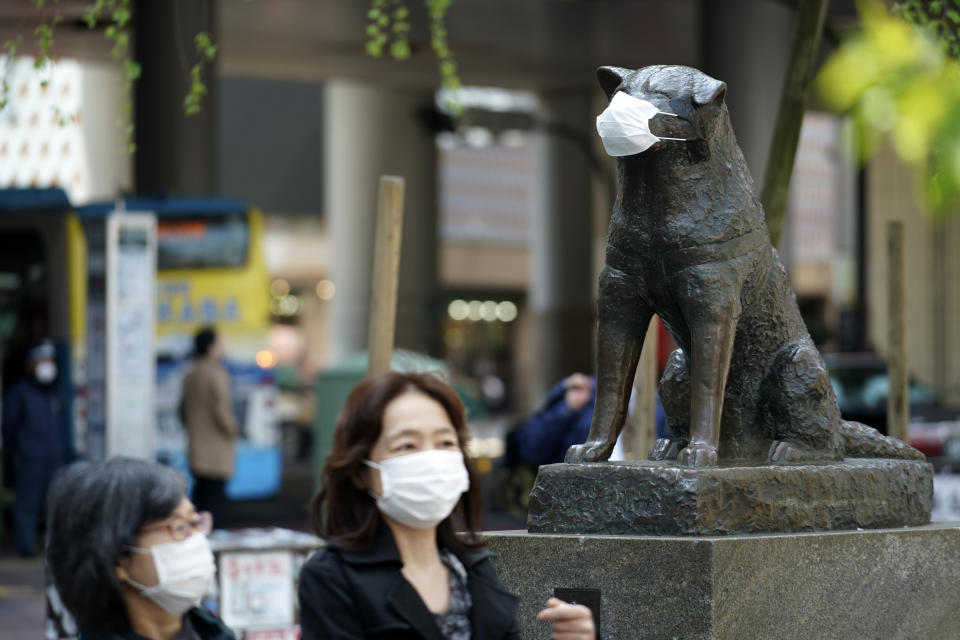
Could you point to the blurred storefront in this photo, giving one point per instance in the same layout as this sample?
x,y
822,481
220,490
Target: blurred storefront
x,y
510,207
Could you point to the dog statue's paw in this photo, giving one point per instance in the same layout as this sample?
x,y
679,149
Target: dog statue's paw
x,y
666,448
781,451
698,454
589,451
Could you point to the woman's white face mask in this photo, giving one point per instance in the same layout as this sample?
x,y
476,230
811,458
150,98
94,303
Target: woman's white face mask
x,y
45,372
420,489
624,126
184,571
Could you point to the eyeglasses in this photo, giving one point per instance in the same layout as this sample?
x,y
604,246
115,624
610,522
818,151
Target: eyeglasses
x,y
182,528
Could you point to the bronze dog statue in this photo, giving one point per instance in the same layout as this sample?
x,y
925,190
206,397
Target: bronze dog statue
x,y
688,242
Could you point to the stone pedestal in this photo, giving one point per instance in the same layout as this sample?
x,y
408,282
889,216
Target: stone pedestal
x,y
882,583
644,497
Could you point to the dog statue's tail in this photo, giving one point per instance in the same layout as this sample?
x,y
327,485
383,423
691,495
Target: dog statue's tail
x,y
861,441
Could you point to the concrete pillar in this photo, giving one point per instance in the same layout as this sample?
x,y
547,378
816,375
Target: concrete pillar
x,y
370,131
746,43
560,290
176,153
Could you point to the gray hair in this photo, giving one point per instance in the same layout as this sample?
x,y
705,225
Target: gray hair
x,y
95,513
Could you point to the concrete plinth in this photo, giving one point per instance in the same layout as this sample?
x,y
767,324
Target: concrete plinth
x,y
882,583
644,497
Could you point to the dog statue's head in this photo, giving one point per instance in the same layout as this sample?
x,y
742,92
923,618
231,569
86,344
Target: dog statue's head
x,y
695,97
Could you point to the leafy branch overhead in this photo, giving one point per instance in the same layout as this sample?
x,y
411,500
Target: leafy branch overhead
x,y
389,28
940,17
118,11
208,51
899,79
116,15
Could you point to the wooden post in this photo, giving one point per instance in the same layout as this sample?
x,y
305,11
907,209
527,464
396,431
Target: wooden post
x,y
386,270
898,399
645,385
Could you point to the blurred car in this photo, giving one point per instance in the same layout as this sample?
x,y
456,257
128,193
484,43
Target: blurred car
x,y
861,384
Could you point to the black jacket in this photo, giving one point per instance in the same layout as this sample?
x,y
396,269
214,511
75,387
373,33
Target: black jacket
x,y
207,626
347,595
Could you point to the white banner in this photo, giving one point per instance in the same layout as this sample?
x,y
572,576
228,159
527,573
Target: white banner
x,y
131,359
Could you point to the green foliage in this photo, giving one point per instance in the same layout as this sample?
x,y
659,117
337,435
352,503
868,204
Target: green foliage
x,y
44,34
193,101
8,49
117,14
389,29
895,81
940,17
11,46
389,24
205,46
449,78
117,32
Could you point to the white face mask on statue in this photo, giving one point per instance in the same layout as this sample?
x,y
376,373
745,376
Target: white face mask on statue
x,y
184,571
421,489
624,126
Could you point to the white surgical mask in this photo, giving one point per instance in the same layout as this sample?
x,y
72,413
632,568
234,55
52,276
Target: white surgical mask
x,y
45,372
184,571
421,489
624,126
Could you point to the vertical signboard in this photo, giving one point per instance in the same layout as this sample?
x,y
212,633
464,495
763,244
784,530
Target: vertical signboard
x,y
94,442
131,268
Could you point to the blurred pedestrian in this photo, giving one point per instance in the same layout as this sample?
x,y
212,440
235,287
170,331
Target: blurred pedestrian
x,y
32,442
563,421
207,413
394,485
129,555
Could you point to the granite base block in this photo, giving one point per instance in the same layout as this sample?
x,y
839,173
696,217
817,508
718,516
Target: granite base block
x,y
661,498
882,583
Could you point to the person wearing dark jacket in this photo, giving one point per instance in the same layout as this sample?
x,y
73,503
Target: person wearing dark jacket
x,y
396,480
32,442
563,421
129,555
359,594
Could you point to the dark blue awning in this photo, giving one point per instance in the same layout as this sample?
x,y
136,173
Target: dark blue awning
x,y
33,200
167,206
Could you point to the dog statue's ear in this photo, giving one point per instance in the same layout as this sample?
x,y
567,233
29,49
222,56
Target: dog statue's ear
x,y
707,90
610,78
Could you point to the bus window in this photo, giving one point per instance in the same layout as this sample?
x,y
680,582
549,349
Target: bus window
x,y
197,242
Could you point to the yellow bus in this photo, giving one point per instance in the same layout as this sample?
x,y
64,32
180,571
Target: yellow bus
x,y
210,271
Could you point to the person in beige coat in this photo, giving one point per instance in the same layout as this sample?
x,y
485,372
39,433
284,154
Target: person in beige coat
x,y
211,424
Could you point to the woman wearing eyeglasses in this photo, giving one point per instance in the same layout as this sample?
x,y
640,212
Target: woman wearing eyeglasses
x,y
397,486
129,554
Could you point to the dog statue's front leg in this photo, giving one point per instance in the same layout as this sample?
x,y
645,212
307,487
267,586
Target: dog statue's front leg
x,y
623,320
712,330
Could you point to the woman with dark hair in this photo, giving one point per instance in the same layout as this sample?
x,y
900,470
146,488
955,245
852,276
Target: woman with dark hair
x,y
129,554
396,487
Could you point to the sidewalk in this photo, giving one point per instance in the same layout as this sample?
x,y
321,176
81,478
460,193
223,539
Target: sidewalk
x,y
22,606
